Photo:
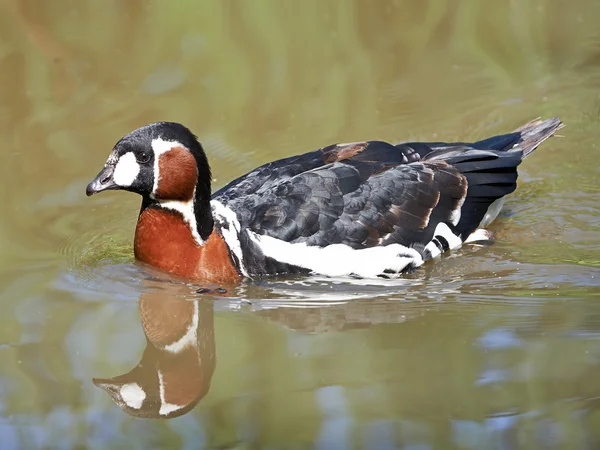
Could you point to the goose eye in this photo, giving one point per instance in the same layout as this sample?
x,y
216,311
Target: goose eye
x,y
143,157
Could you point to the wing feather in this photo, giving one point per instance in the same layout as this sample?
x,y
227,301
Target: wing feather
x,y
358,204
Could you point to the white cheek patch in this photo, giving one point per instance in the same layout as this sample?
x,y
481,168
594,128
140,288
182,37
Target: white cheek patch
x,y
127,170
133,395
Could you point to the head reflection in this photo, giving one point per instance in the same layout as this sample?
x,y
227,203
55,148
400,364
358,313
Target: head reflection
x,y
177,364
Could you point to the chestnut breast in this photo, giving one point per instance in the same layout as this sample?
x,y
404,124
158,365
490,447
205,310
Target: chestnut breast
x,y
164,240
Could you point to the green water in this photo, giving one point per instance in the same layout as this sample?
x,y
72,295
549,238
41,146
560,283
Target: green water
x,y
490,348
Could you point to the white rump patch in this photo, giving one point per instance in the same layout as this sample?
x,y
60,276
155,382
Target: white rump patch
x,y
165,407
190,338
133,395
339,259
231,233
492,212
127,170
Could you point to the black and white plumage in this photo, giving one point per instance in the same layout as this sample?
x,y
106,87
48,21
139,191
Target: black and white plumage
x,y
366,209
419,199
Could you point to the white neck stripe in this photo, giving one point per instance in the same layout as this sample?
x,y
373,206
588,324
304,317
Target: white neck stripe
x,y
160,147
165,407
186,209
190,338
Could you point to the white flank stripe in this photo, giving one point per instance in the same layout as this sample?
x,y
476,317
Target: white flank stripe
x,y
127,170
190,338
230,231
338,259
165,407
133,395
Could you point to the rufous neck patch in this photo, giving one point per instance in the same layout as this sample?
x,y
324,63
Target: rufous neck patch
x,y
178,175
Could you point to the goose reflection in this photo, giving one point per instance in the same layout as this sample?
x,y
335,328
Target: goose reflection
x,y
177,365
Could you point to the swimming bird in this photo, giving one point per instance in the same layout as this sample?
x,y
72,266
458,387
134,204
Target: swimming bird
x,y
363,209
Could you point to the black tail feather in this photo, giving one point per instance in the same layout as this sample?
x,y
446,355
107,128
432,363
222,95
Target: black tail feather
x,y
490,167
502,142
536,132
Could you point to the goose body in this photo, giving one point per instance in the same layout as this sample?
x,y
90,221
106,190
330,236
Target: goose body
x,y
362,209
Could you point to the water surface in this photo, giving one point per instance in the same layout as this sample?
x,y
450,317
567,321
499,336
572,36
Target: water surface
x,y
491,347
